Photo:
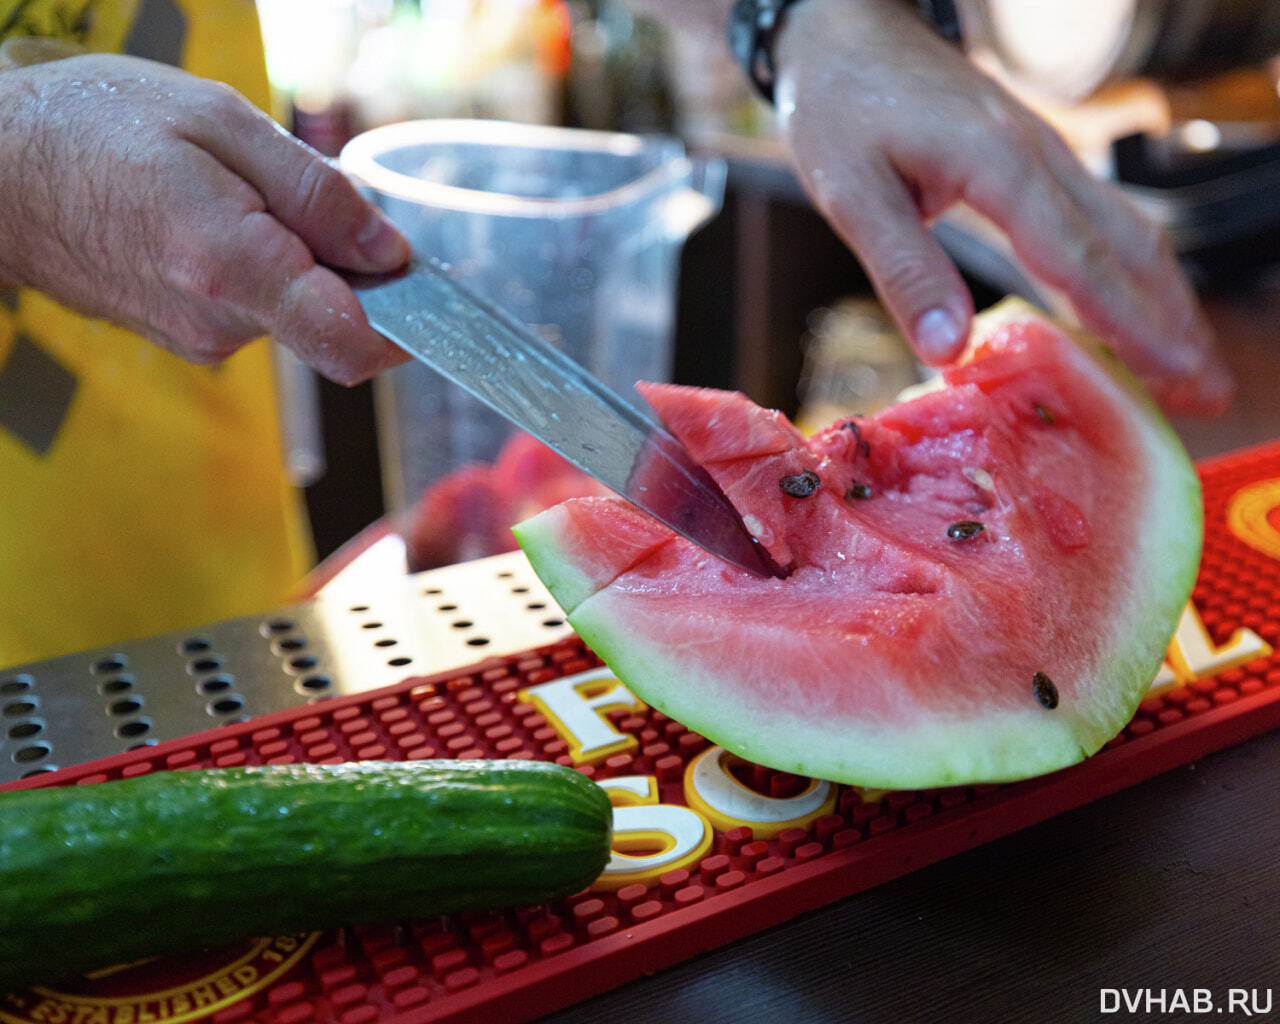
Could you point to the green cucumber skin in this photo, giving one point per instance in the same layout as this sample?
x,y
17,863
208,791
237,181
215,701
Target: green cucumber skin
x,y
96,875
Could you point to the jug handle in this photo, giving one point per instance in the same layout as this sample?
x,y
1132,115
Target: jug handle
x,y
687,209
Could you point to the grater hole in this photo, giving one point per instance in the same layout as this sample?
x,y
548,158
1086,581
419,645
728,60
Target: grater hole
x,y
195,645
200,666
43,769
274,627
446,607
227,705
553,623
106,666
536,606
313,684
16,684
118,684
289,644
132,730
25,730
358,608
32,752
372,624
303,663
19,708
386,642
462,624
125,706
400,662
478,641
215,684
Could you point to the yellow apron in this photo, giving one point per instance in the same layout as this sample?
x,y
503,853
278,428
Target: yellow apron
x,y
141,494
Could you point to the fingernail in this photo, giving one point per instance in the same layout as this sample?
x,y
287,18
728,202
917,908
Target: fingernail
x,y
937,335
381,242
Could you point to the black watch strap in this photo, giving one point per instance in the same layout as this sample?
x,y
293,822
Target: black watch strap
x,y
754,23
943,16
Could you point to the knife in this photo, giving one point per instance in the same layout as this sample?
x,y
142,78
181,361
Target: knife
x,y
487,352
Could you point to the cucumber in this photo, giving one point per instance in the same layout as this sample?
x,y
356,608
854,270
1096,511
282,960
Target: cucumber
x,y
95,875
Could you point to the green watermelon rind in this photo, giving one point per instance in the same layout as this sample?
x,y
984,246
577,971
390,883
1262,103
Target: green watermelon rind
x,y
924,753
568,584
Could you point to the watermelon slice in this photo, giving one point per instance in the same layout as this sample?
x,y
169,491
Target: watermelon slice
x,y
984,578
469,513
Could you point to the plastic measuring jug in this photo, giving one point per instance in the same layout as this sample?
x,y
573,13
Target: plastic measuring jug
x,y
576,233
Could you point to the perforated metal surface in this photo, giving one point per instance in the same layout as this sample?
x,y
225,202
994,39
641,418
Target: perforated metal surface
x,y
352,637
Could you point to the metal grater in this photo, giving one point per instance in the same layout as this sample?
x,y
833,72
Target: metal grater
x,y
99,702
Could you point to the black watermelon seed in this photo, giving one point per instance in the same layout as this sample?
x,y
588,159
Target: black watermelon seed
x,y
1045,414
858,491
801,485
1046,693
863,446
964,530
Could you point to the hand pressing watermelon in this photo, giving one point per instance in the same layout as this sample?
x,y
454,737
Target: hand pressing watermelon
x,y
983,579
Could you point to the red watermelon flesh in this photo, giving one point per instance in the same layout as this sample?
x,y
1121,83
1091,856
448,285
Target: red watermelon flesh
x,y
906,649
469,513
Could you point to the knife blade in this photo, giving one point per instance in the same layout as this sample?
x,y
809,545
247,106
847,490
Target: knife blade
x,y
500,361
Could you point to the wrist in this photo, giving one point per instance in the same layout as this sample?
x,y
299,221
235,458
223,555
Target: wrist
x,y
755,27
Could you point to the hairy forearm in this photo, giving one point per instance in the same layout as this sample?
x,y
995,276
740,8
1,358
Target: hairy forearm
x,y
27,115
24,189
137,193
70,173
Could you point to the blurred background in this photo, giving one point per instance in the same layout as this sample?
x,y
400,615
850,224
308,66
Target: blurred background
x,y
1175,101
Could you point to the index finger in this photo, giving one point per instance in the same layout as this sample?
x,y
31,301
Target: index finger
x,y
301,189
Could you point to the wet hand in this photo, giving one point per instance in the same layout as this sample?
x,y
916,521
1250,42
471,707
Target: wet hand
x,y
890,126
168,203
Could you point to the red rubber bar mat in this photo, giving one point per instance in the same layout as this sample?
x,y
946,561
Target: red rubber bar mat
x,y
744,847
